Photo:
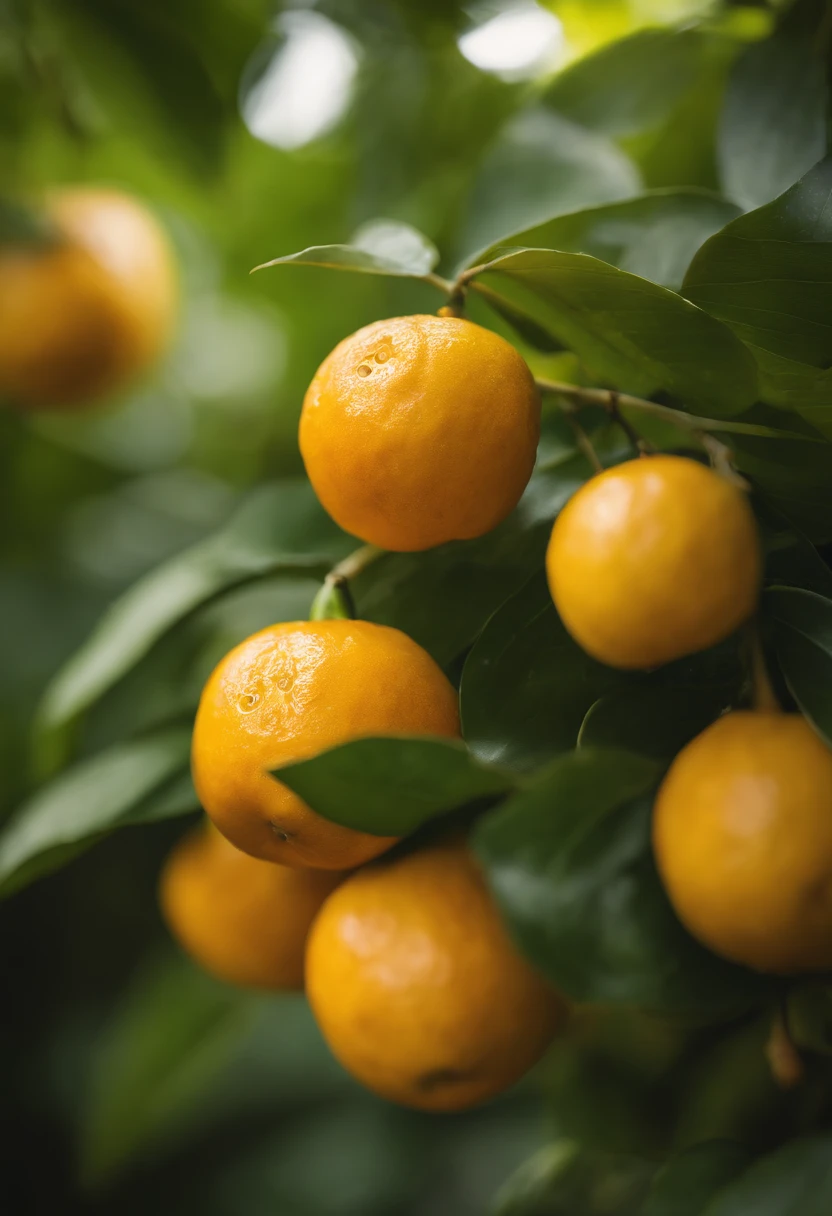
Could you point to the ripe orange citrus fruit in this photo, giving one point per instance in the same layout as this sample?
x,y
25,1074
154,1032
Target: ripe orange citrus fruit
x,y
85,313
743,841
294,690
420,430
244,920
417,988
652,560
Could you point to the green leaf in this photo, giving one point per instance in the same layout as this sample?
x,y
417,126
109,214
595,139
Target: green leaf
x,y
566,1178
652,719
126,784
803,641
281,528
570,863
183,1054
654,236
768,275
378,247
633,333
542,165
809,1016
687,1183
773,126
630,85
795,1179
794,476
527,685
791,559
391,786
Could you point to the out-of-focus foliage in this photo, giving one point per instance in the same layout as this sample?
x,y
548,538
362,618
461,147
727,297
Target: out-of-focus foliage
x,y
626,154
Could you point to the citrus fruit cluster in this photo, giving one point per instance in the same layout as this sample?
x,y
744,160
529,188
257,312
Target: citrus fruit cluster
x,y
89,306
405,956
414,432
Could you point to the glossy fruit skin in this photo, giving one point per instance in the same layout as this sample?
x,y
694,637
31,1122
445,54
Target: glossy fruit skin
x,y
294,690
84,315
417,987
742,834
245,921
420,430
652,560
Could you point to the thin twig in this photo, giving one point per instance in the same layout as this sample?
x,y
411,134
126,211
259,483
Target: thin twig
x,y
335,598
583,441
763,696
686,422
641,445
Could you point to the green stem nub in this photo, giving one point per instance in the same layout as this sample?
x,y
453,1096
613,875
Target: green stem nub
x,y
333,601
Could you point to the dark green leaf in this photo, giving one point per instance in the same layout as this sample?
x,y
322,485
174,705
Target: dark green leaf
x,y
637,335
768,275
526,685
391,786
791,559
794,476
773,127
630,85
652,719
565,1179
795,1180
281,528
687,1183
570,863
803,641
809,1016
542,165
68,815
654,236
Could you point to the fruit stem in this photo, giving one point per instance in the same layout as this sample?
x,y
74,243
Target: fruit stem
x,y
784,1059
623,401
583,441
334,599
763,696
642,446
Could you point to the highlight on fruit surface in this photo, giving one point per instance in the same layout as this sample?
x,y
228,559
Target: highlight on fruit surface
x,y
246,921
89,309
294,690
420,430
742,834
652,560
418,989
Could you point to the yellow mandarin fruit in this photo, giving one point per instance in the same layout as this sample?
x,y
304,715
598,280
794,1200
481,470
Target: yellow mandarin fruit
x,y
294,690
743,840
420,430
86,313
652,560
244,920
417,988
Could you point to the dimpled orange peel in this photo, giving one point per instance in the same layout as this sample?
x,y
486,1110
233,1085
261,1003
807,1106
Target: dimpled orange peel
x,y
418,989
654,559
244,920
742,834
89,310
294,690
420,430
